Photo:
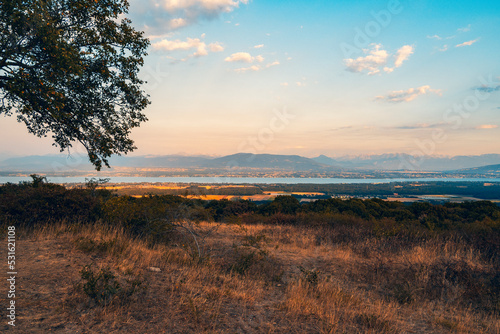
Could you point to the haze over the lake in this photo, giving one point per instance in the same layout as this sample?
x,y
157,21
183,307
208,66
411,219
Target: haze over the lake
x,y
313,77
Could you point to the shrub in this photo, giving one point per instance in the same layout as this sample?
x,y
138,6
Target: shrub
x,y
103,287
310,276
39,202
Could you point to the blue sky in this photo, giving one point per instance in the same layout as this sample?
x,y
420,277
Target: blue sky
x,y
314,77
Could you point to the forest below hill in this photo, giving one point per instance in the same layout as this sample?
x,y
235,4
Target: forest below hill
x,y
35,202
479,190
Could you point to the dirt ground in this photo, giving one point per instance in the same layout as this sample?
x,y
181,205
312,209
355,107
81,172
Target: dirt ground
x,y
183,298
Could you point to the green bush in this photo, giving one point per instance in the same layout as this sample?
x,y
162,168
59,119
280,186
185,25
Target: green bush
x,y
37,202
103,287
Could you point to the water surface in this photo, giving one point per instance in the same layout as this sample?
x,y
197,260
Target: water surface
x,y
247,180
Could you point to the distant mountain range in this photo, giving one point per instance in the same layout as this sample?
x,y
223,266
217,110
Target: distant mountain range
x,y
408,162
487,163
271,161
485,170
240,160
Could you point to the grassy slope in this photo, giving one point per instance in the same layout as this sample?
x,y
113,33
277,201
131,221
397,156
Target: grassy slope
x,y
299,280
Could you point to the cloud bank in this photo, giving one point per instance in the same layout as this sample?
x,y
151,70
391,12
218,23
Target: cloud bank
x,y
197,45
408,95
156,17
468,43
378,59
256,68
486,127
245,57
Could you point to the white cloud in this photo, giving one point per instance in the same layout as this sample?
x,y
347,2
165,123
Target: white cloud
x,y
486,127
158,16
435,37
260,46
253,68
244,57
465,29
459,30
256,68
444,48
247,58
468,43
196,44
377,59
408,95
403,54
207,5
275,63
420,126
177,23
215,47
284,84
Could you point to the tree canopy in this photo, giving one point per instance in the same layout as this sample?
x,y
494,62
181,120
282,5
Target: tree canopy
x,y
69,68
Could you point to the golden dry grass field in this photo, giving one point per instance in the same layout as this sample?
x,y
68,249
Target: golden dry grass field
x,y
245,279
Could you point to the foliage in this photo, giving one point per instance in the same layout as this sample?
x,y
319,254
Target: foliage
x,y
463,188
70,68
37,180
281,204
101,247
374,322
37,202
370,256
158,217
103,286
403,293
93,184
310,276
152,217
226,210
250,257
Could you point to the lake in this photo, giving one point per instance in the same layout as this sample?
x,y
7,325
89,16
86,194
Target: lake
x,y
247,180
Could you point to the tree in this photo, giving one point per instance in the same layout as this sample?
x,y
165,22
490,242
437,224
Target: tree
x,y
70,68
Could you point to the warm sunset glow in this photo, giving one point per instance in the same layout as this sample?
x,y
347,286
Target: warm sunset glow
x,y
356,78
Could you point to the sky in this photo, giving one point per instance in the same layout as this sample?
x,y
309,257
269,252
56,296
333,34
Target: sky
x,y
312,77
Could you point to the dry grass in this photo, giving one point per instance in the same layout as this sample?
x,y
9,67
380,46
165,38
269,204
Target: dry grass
x,y
255,279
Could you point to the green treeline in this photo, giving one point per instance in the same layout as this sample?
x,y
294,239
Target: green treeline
x,y
473,189
481,190
36,201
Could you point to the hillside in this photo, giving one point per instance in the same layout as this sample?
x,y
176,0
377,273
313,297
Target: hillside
x,y
406,161
365,165
491,170
259,278
248,160
169,264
